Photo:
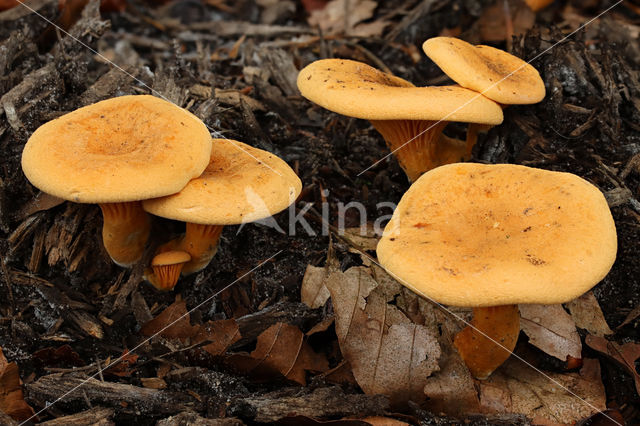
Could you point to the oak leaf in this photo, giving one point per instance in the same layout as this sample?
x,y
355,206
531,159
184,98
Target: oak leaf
x,y
586,313
551,329
172,323
11,397
280,350
625,355
547,399
388,353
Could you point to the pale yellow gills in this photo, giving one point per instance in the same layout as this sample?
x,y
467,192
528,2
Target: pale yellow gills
x,y
485,236
496,74
117,152
410,119
241,184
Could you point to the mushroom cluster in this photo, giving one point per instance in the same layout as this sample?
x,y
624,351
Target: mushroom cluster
x,y
490,237
411,119
139,154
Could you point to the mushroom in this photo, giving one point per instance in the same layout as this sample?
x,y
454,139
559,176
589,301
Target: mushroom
x,y
494,73
115,153
537,5
492,236
241,184
166,268
397,109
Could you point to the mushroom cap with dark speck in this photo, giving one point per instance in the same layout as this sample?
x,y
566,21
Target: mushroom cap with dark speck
x,y
122,149
480,235
356,89
241,184
496,74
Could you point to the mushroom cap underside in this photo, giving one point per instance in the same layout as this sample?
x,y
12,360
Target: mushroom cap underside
x,y
487,235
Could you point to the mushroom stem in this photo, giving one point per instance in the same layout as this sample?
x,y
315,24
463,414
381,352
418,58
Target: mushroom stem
x,y
201,242
125,231
419,145
489,340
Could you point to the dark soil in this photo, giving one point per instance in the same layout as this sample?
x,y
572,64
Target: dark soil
x,y
58,285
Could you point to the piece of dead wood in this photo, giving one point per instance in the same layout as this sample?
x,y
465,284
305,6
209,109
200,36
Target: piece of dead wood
x,y
42,83
85,322
116,80
19,12
424,8
96,416
128,398
235,28
235,98
282,69
42,201
551,329
321,403
16,46
192,418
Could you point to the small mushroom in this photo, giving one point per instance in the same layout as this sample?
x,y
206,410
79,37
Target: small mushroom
x,y
537,5
411,119
241,184
115,153
492,236
166,268
498,75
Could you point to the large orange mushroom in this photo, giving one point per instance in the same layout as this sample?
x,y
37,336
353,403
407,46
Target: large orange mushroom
x,y
496,74
116,153
490,237
410,119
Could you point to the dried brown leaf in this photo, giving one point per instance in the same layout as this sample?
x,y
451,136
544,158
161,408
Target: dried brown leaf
x,y
125,365
388,353
11,398
551,329
164,323
626,355
221,334
281,350
517,388
586,314
342,16
313,292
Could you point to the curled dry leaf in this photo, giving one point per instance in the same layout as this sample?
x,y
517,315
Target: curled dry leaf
x,y
172,323
388,353
314,293
125,366
586,314
11,398
281,350
343,17
551,329
625,355
221,334
518,388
